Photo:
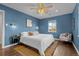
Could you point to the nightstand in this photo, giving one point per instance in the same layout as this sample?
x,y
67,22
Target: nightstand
x,y
14,39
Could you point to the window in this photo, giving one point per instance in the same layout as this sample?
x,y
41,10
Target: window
x,y
52,26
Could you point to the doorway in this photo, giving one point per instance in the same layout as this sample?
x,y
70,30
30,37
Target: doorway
x,y
2,29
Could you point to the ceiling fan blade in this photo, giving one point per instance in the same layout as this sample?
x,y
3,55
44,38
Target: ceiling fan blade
x,y
33,8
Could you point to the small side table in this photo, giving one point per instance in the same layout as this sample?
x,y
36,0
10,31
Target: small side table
x,y
14,39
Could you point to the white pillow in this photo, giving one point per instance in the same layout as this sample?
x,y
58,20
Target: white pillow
x,y
24,33
35,32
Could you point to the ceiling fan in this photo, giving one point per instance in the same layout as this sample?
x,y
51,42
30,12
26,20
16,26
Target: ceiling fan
x,y
41,8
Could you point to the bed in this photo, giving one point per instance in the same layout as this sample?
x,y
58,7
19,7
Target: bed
x,y
39,41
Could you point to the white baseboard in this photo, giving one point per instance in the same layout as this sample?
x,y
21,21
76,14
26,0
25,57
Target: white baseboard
x,y
75,48
10,45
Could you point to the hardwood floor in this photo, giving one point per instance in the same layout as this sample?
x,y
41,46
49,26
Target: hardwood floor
x,y
26,50
65,49
9,52
57,48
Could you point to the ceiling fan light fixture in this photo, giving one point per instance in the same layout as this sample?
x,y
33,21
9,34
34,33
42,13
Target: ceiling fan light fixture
x,y
41,11
41,8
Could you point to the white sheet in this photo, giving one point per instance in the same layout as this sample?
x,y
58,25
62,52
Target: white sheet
x,y
40,41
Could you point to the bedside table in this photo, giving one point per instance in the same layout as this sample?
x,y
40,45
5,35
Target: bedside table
x,y
14,39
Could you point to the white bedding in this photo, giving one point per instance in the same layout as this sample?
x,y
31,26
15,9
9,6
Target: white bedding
x,y
40,41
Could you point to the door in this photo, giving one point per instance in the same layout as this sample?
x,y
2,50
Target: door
x,y
1,27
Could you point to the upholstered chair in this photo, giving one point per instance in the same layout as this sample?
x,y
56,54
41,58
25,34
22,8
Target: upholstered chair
x,y
65,37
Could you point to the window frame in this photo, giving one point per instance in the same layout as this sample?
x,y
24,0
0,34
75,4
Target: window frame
x,y
52,21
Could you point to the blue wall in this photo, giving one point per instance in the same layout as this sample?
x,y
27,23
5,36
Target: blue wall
x,y
76,26
64,24
19,18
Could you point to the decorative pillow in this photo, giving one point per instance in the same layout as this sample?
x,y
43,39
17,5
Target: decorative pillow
x,y
30,33
66,34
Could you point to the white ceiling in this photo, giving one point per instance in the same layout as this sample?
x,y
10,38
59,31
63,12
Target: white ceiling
x,y
56,10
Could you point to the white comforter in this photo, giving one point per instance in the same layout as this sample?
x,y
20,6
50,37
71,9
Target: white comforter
x,y
40,41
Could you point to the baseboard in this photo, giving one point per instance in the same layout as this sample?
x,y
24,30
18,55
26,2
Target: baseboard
x,y
75,48
10,45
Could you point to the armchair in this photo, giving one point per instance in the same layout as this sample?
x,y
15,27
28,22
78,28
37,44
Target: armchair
x,y
65,37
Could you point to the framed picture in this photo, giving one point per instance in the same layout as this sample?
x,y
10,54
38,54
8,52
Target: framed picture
x,y
29,23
